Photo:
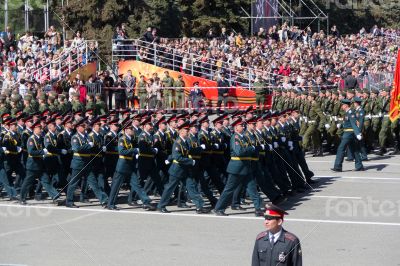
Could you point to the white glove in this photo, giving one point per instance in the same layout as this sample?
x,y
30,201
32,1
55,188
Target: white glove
x,y
4,148
283,139
216,145
359,137
380,114
270,147
156,150
91,144
290,148
327,126
290,143
276,145
369,116
45,151
64,151
203,146
167,162
305,119
335,119
104,148
136,150
262,146
19,149
338,125
137,156
194,162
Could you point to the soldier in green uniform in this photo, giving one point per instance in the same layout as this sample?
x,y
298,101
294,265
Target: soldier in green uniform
x,y
385,134
333,139
52,105
315,117
27,105
239,170
179,171
76,104
35,166
142,92
260,90
90,104
100,106
351,132
42,103
168,82
179,88
3,105
15,106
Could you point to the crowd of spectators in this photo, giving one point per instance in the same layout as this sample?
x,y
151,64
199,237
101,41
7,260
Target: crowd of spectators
x,y
284,56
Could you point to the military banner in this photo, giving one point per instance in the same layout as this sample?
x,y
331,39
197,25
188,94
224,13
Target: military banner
x,y
395,93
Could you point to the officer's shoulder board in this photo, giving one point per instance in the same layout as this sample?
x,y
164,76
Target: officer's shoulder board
x,y
261,235
290,236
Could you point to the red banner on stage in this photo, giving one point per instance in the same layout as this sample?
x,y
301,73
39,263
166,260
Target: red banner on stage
x,y
395,93
238,96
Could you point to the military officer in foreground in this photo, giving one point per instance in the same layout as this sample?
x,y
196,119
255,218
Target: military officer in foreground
x,y
276,246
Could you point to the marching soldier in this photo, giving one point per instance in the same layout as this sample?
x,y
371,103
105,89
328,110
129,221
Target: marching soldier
x,y
64,143
276,246
385,134
351,132
179,170
111,154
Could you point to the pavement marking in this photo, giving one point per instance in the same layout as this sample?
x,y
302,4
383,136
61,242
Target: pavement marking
x,y
366,163
360,177
231,216
335,197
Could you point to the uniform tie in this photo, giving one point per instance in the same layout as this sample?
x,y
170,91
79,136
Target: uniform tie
x,y
271,239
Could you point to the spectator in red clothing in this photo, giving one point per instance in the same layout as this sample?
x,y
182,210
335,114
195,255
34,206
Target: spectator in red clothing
x,y
82,93
284,69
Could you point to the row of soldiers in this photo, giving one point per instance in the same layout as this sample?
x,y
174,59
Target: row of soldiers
x,y
179,157
31,103
322,118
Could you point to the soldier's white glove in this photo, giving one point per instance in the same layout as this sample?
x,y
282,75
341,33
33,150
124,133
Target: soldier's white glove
x,y
276,145
45,151
137,156
335,118
290,143
64,151
290,148
91,144
338,125
194,162
203,146
270,147
216,145
104,148
369,116
359,137
327,126
167,162
156,150
136,150
262,146
380,114
19,149
283,139
305,119
4,148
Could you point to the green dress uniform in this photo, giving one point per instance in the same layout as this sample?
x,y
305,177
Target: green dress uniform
x,y
179,93
240,172
35,169
285,250
100,107
80,167
180,171
259,89
385,134
167,93
142,94
315,117
376,109
350,131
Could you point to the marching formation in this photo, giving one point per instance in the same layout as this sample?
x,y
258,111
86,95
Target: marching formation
x,y
179,157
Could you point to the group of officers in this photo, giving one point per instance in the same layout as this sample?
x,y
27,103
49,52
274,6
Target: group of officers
x,y
179,157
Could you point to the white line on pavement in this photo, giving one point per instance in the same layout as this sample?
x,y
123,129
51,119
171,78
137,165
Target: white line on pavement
x,y
199,215
359,177
335,197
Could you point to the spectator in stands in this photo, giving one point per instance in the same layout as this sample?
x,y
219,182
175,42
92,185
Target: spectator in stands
x,y
196,96
350,82
130,83
120,93
8,38
108,84
148,36
78,41
82,92
53,39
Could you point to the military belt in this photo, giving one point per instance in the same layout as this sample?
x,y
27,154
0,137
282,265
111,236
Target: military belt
x,y
218,152
198,157
35,156
112,152
97,155
375,116
311,121
146,155
11,152
386,116
82,154
49,154
241,158
348,130
125,157
262,153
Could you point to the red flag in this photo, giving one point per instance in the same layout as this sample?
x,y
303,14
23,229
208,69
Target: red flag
x,y
394,112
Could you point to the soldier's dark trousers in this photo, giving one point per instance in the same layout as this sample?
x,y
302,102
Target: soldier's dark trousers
x,y
348,140
233,182
76,176
10,190
197,175
299,156
191,187
93,182
44,180
214,175
136,183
